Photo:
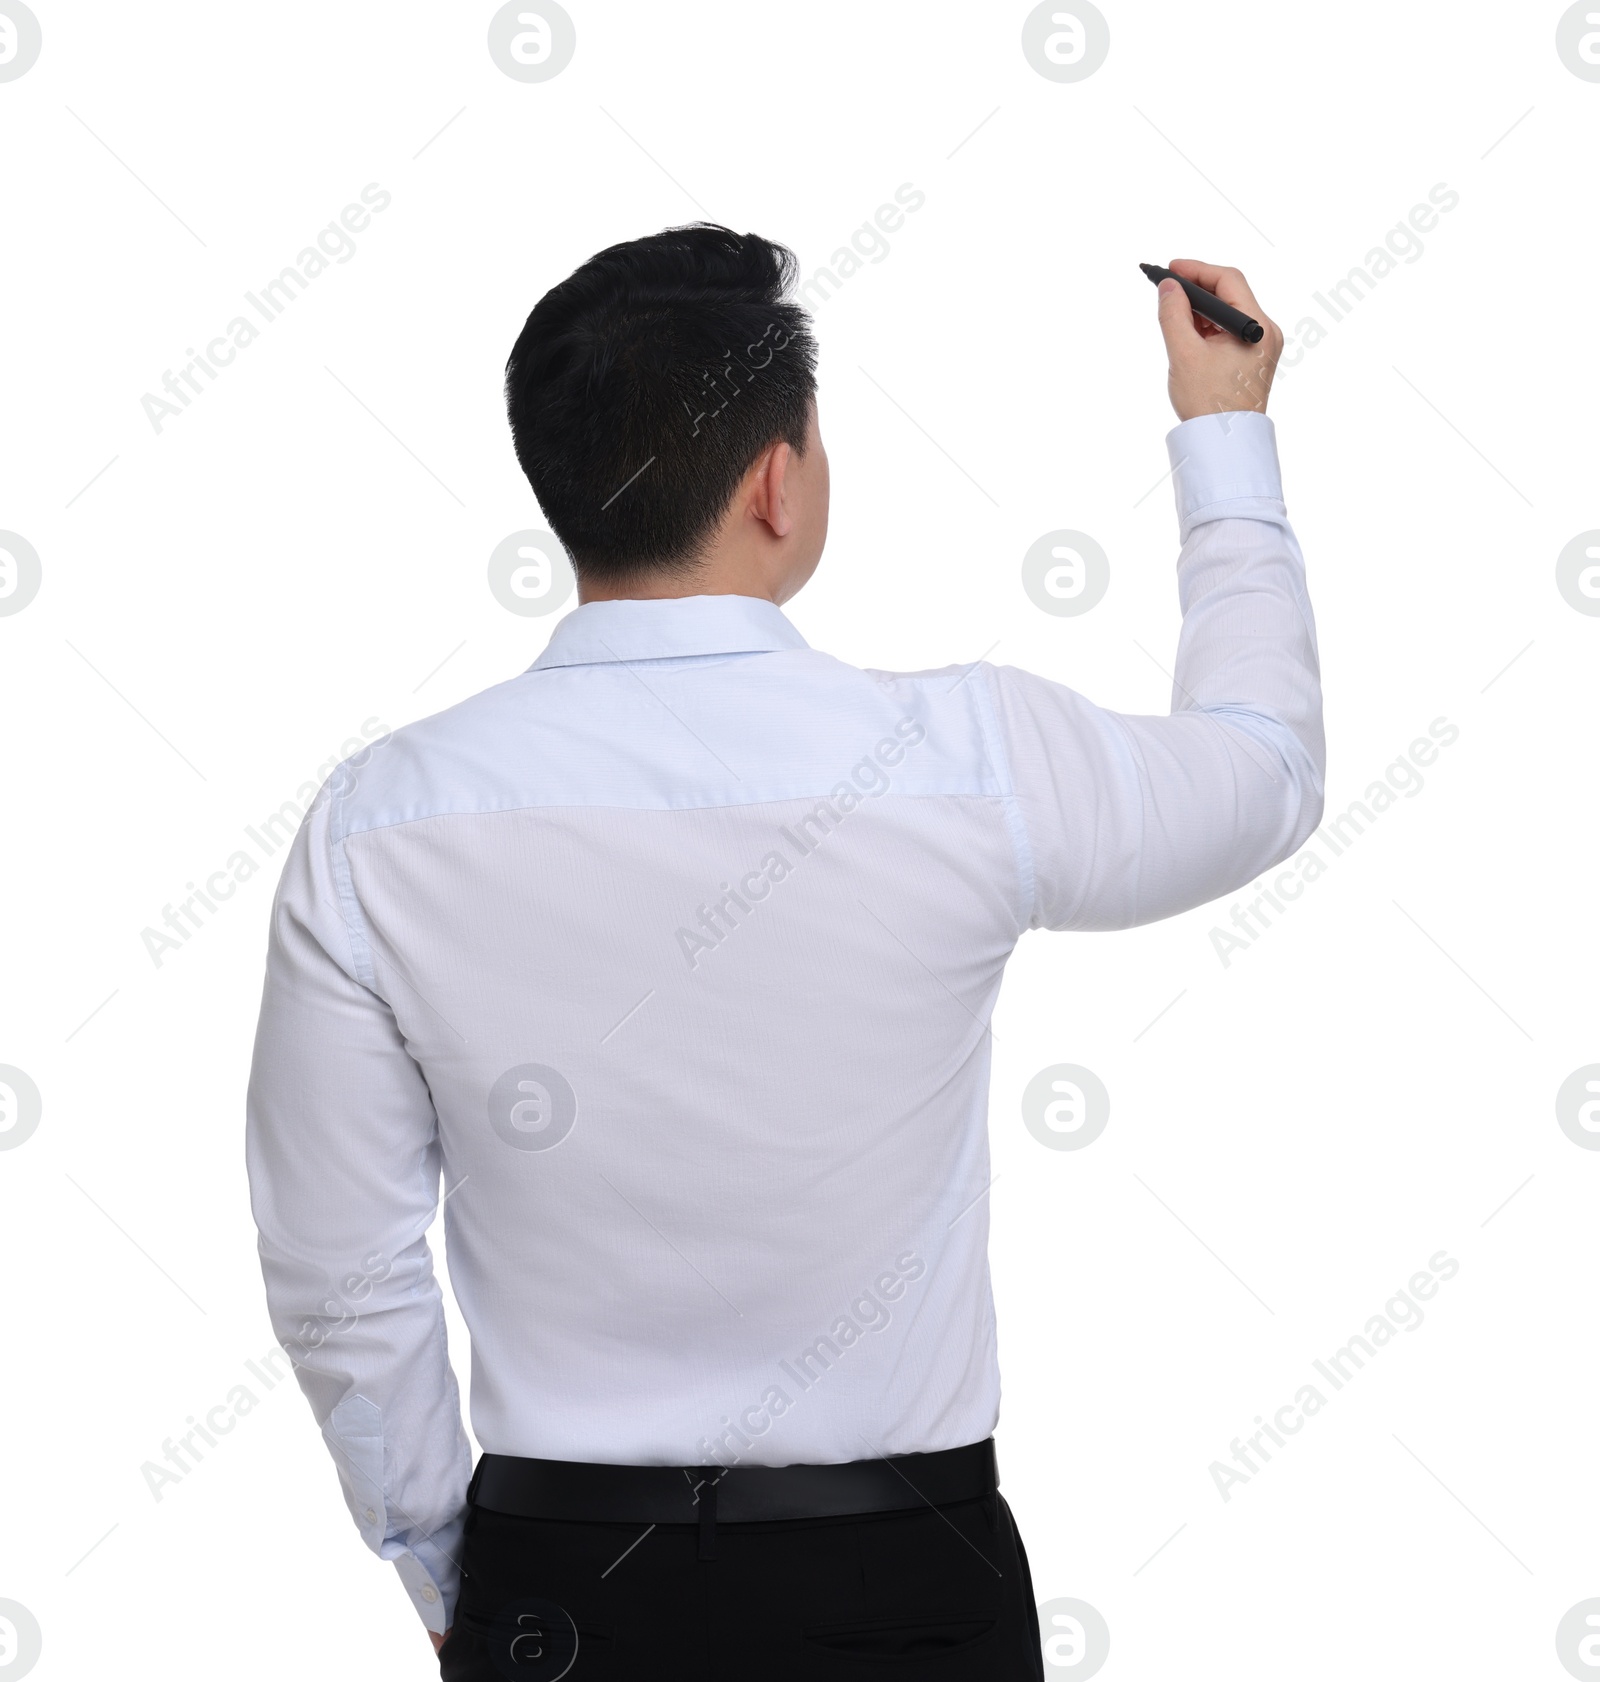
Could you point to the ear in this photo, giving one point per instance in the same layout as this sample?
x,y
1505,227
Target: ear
x,y
769,482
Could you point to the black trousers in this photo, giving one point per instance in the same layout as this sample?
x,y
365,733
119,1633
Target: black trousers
x,y
935,1592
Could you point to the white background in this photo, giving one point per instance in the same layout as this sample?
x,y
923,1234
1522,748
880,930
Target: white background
x,y
231,597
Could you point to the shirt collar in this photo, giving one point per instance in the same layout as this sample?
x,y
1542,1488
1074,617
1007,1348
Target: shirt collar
x,y
668,627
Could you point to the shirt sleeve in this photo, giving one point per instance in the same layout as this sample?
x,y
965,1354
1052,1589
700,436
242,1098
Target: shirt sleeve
x,y
343,1156
1129,818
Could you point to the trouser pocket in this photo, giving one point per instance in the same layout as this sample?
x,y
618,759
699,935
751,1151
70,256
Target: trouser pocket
x,y
903,1637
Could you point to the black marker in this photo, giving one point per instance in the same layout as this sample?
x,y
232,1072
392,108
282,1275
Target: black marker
x,y
1211,306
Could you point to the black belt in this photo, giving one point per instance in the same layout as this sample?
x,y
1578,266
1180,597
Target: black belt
x,y
604,1494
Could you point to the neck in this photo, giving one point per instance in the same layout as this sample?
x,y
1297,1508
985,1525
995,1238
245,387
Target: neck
x,y
712,576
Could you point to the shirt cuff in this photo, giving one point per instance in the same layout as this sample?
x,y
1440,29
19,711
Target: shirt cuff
x,y
435,1601
1225,466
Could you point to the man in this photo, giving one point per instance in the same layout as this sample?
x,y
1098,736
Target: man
x,y
674,957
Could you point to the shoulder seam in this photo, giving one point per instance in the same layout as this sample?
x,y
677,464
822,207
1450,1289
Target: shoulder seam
x,y
350,915
994,744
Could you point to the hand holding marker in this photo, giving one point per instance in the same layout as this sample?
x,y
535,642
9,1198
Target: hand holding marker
x,y
1209,305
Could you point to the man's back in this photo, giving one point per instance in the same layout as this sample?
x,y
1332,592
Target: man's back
x,y
695,956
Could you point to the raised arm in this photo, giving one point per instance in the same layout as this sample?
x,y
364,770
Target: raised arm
x,y
1129,818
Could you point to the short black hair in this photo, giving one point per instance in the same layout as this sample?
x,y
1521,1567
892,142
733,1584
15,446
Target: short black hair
x,y
643,386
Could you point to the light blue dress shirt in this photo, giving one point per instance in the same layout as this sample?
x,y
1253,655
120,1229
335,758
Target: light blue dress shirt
x,y
669,965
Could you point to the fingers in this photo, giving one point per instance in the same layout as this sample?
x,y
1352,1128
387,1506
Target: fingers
x,y
1228,284
1178,325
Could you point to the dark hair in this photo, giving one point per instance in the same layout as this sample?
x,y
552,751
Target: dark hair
x,y
643,386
